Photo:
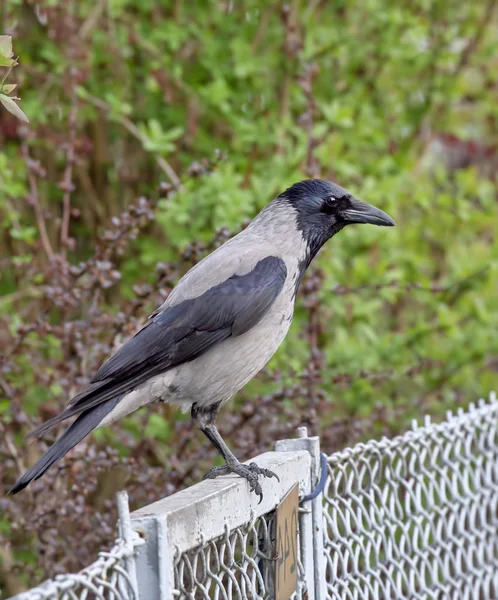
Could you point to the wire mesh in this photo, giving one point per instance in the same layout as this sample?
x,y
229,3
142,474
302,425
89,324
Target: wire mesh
x,y
412,518
239,565
416,517
106,579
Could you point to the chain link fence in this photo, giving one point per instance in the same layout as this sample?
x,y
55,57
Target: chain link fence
x,y
414,517
238,564
215,541
111,577
107,578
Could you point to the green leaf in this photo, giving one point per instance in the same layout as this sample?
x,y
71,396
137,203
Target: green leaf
x,y
6,46
10,87
27,234
6,62
12,107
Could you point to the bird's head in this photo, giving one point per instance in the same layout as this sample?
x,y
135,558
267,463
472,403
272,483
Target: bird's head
x,y
323,208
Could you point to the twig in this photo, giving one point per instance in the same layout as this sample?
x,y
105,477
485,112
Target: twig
x,y
28,292
261,31
89,191
11,447
13,582
4,78
67,182
135,132
424,364
290,48
474,41
35,201
434,288
92,19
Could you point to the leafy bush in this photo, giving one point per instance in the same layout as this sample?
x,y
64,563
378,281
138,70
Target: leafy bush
x,y
156,129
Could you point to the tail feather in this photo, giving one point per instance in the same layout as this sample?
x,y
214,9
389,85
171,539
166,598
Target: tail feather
x,y
82,426
73,408
45,427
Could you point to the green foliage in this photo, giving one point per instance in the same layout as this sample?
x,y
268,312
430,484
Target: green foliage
x,y
344,91
6,60
230,103
6,53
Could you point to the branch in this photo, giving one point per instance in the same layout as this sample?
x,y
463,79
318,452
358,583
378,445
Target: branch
x,y
35,201
11,447
455,287
471,47
135,132
67,182
92,19
13,583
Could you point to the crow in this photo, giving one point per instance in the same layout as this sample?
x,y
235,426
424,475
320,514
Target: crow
x,y
219,326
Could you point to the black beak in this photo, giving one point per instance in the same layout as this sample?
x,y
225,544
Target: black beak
x,y
361,212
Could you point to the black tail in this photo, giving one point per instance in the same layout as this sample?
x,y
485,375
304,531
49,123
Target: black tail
x,y
82,426
92,399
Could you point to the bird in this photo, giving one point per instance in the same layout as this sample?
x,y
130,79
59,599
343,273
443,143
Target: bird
x,y
217,328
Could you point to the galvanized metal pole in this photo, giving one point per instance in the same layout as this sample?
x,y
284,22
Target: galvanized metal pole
x,y
312,525
129,536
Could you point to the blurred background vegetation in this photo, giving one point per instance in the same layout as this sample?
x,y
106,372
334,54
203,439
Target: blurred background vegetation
x,y
156,130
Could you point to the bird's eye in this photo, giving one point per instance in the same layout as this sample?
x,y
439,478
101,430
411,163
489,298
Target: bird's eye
x,y
329,205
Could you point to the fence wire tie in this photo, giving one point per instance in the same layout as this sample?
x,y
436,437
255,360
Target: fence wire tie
x,y
321,482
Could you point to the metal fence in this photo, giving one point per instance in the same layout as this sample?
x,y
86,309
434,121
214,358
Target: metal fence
x,y
112,576
417,516
215,541
414,517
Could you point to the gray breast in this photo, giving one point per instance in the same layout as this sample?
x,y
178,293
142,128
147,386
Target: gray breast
x,y
219,373
224,369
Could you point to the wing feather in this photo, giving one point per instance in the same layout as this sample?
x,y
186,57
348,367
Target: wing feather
x,y
181,333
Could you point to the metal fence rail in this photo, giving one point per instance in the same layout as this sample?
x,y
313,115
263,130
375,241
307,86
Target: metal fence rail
x,y
214,541
411,518
416,516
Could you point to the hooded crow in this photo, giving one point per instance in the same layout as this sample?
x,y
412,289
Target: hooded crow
x,y
218,328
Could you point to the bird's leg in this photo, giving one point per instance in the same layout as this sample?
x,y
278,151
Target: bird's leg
x,y
204,417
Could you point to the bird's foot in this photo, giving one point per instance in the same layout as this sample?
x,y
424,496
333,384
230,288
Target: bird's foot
x,y
249,472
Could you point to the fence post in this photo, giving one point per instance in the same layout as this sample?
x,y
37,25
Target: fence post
x,y
127,534
311,524
210,510
154,559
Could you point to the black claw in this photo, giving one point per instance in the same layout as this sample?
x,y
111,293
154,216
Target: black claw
x,y
216,472
248,472
260,471
268,473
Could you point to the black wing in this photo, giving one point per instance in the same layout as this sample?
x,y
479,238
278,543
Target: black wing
x,y
181,333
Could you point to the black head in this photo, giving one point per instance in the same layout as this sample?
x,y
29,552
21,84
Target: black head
x,y
324,208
